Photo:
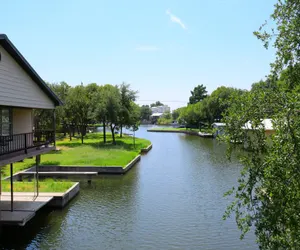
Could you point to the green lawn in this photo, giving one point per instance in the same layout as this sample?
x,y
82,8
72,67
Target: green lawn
x,y
92,153
44,186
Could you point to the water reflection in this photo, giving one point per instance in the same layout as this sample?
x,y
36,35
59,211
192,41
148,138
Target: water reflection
x,y
173,199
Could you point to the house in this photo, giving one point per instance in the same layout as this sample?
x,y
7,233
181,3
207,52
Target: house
x,y
21,91
161,109
219,128
265,124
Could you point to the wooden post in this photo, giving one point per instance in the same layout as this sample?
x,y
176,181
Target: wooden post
x,y
11,188
37,163
25,142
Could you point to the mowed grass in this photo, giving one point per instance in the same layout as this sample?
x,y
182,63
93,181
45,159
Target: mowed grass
x,y
92,153
44,186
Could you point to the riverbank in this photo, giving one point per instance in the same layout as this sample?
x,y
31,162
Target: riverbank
x,y
182,130
93,152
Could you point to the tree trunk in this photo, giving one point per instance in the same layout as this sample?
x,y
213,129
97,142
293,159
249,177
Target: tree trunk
x,y
82,134
121,131
70,132
112,128
104,131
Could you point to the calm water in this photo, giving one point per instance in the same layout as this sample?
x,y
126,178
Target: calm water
x,y
173,199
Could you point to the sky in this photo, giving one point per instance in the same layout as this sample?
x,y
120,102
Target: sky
x,y
162,48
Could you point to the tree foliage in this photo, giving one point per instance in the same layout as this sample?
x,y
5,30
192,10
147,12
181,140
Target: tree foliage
x,y
268,195
198,94
145,113
156,104
127,97
110,105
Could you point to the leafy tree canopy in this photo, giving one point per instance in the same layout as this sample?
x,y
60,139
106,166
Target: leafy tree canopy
x,y
156,104
198,94
268,195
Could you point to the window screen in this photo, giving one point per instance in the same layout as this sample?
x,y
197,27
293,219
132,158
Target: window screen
x,y
5,121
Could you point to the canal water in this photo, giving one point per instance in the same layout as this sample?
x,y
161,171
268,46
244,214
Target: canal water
x,y
173,199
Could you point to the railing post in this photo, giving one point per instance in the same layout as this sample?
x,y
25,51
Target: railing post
x,y
11,188
25,141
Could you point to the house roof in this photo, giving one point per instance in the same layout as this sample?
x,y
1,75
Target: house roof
x,y
17,56
219,124
157,114
266,123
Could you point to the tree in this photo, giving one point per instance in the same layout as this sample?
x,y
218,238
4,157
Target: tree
x,y
43,118
127,97
145,112
217,102
176,113
113,107
165,119
268,193
134,120
191,114
156,104
100,112
198,94
78,103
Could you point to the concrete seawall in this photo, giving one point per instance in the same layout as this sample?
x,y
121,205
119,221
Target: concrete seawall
x,y
146,150
61,201
87,172
205,135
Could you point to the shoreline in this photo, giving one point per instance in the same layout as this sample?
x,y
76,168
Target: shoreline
x,y
200,134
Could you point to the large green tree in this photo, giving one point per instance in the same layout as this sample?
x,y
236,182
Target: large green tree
x,y
79,108
156,104
268,195
145,113
113,107
128,96
198,94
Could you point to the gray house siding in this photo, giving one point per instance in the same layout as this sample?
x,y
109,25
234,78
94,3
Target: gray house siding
x,y
17,88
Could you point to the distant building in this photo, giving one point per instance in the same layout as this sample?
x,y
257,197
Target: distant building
x,y
160,109
266,124
219,128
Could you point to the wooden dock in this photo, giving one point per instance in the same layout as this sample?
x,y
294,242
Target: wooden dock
x,y
26,204
25,207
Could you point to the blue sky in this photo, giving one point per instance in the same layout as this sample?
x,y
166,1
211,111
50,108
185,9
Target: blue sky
x,y
163,48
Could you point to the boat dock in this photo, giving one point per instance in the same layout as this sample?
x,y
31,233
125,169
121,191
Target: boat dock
x,y
26,204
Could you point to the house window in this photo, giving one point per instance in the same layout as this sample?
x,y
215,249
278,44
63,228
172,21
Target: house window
x,y
5,121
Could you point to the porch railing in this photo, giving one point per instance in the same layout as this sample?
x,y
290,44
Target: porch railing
x,y
23,142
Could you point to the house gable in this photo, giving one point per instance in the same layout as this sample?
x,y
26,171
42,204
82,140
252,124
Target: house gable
x,y
17,87
20,85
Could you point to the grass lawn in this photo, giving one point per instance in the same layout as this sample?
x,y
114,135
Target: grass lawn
x,y
92,153
44,186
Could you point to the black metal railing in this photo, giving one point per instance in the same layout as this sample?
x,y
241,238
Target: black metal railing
x,y
23,142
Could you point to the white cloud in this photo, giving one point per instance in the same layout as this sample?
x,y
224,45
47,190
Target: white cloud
x,y
147,48
176,19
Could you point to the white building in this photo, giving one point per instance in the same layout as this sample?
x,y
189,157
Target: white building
x,y
160,109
